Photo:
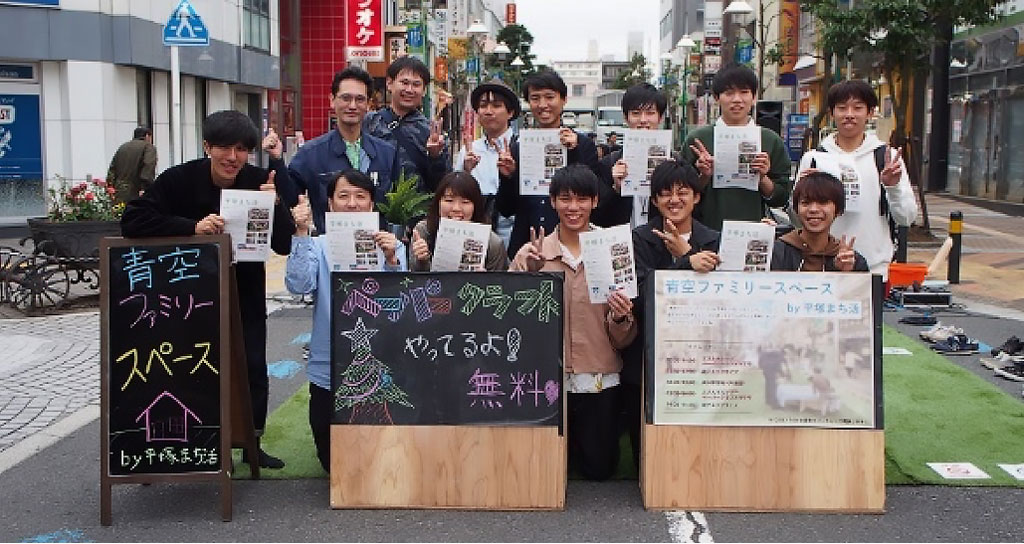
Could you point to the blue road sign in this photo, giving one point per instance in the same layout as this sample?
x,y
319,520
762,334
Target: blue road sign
x,y
185,27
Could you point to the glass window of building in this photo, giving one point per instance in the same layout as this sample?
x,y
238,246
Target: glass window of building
x,y
256,24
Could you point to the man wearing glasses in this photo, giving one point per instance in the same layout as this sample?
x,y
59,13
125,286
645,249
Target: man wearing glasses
x,y
348,147
419,141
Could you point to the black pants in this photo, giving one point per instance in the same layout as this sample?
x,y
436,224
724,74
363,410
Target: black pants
x,y
593,433
254,332
321,406
631,411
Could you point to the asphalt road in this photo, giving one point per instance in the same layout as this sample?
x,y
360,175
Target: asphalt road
x,y
54,495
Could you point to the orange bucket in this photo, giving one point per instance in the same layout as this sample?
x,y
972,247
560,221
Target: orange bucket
x,y
905,274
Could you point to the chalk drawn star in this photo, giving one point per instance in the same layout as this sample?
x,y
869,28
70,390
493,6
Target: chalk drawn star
x,y
360,336
406,282
343,286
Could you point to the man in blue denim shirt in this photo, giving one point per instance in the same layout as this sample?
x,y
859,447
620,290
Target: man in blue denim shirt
x,y
348,147
421,147
308,271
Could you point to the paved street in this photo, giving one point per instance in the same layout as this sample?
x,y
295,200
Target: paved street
x,y
49,450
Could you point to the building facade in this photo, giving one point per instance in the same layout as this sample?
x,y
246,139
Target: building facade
x,y
77,77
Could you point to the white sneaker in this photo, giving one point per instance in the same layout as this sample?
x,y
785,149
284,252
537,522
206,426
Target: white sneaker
x,y
941,333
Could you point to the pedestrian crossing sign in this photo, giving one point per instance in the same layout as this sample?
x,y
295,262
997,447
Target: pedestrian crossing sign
x,y
185,27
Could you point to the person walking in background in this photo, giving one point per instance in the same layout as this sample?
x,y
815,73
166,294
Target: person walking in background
x,y
133,168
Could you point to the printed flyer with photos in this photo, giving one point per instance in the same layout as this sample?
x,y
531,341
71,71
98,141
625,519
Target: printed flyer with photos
x,y
746,246
350,241
248,218
608,262
460,246
643,151
541,153
735,149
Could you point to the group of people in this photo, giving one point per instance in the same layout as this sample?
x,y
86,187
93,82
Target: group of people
x,y
350,169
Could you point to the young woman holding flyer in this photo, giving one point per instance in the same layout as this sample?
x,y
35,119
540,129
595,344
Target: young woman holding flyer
x,y
308,271
458,197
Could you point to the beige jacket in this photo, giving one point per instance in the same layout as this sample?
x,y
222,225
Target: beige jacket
x,y
590,337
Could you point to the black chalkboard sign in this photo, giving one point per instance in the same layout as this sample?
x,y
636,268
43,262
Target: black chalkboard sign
x,y
446,348
164,326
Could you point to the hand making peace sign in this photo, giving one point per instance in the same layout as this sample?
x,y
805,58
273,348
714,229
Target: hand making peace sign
x,y
893,170
705,161
435,143
845,258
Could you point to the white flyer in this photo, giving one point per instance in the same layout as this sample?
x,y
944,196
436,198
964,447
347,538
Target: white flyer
x,y
1017,471
735,149
959,471
248,218
350,243
843,169
643,151
608,262
541,153
746,246
460,246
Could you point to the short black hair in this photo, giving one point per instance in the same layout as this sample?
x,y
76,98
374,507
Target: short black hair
x,y
577,179
352,72
643,94
142,132
545,79
461,184
494,96
820,187
353,177
734,77
857,89
671,173
411,64
229,127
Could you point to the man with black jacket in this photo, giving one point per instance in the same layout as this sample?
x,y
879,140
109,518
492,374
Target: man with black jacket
x,y
643,106
546,93
672,240
420,144
185,201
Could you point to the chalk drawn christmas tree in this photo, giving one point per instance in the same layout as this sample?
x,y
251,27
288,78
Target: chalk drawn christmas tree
x,y
366,385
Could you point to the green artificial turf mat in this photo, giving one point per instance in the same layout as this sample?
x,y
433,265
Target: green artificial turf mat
x,y
935,411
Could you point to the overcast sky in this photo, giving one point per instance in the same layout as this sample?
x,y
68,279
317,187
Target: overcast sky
x,y
562,28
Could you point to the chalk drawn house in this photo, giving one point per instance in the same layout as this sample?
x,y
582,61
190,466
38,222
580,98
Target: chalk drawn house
x,y
167,419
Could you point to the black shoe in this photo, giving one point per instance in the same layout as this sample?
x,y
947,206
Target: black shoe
x,y
1011,346
266,460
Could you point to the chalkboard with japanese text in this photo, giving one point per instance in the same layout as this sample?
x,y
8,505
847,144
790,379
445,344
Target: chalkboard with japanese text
x,y
164,335
446,348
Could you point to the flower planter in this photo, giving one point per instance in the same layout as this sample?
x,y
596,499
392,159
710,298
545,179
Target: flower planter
x,y
71,239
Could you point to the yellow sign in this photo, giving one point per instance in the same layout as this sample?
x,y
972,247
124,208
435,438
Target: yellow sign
x,y
458,48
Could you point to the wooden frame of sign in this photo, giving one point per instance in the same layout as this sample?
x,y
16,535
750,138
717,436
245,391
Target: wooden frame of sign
x,y
755,469
170,455
440,448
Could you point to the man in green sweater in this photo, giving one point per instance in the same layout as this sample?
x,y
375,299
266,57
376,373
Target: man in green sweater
x,y
735,89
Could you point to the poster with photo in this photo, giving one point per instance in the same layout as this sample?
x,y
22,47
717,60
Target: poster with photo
x,y
460,246
541,153
608,262
735,149
643,151
248,218
746,246
847,172
766,349
350,241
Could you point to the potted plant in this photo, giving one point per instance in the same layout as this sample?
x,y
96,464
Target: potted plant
x,y
404,205
79,215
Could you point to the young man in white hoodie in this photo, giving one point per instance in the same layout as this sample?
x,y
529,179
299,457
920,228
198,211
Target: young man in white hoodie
x,y
876,184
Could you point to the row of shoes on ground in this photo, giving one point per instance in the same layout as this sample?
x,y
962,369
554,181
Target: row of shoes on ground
x,y
939,332
1012,346
1007,360
956,344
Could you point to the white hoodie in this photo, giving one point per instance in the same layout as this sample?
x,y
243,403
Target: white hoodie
x,y
862,219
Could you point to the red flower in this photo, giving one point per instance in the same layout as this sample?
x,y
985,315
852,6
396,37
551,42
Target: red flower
x,y
111,190
89,196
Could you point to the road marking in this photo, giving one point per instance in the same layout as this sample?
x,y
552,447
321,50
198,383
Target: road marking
x,y
47,437
63,535
688,526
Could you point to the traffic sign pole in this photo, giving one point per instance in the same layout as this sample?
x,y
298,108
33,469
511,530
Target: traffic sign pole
x,y
176,151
